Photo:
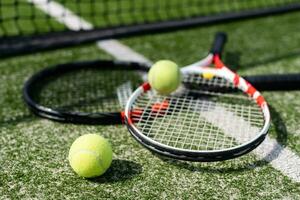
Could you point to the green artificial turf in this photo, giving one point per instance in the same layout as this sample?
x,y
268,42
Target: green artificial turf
x,y
19,17
33,151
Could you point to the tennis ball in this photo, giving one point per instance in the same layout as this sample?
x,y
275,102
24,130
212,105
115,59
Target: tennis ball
x,y
90,155
164,76
208,75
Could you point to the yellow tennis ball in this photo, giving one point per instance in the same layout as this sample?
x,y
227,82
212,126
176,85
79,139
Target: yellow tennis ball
x,y
208,75
90,155
164,76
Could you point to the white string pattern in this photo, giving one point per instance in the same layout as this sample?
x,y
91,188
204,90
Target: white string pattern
x,y
200,81
198,120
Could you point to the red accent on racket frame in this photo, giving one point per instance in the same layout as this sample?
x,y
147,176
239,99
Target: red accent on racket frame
x,y
260,100
251,90
136,113
218,63
123,116
236,80
146,86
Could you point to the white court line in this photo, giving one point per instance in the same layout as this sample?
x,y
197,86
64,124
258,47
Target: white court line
x,y
281,158
73,22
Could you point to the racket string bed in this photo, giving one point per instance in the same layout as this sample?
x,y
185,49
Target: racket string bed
x,y
215,114
192,122
198,81
88,90
84,92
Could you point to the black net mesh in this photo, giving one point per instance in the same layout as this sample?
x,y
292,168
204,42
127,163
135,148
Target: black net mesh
x,y
41,17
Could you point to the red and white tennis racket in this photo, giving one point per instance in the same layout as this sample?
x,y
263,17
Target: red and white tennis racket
x,y
207,123
96,92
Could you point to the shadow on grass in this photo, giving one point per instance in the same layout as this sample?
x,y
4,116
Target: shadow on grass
x,y
233,59
120,170
18,119
279,126
232,166
240,164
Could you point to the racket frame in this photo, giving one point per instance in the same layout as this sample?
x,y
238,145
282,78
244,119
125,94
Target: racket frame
x,y
221,71
280,82
104,118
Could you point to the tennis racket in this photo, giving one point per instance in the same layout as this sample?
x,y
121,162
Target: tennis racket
x,y
271,82
200,124
96,92
88,92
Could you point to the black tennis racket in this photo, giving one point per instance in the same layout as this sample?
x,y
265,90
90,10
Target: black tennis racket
x,y
96,92
91,92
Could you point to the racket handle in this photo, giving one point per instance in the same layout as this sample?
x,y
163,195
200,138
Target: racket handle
x,y
275,82
219,43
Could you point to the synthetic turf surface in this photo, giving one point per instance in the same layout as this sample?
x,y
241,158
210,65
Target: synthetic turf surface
x,y
20,16
33,151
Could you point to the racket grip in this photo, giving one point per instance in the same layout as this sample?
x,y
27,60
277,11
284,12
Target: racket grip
x,y
219,43
275,82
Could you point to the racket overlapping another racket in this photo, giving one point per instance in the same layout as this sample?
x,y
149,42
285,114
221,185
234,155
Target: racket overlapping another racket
x,y
209,119
206,123
87,92
95,92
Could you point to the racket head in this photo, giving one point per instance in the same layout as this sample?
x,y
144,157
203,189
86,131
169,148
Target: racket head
x,y
200,125
87,92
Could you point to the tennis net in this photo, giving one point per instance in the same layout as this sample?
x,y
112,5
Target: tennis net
x,y
32,25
